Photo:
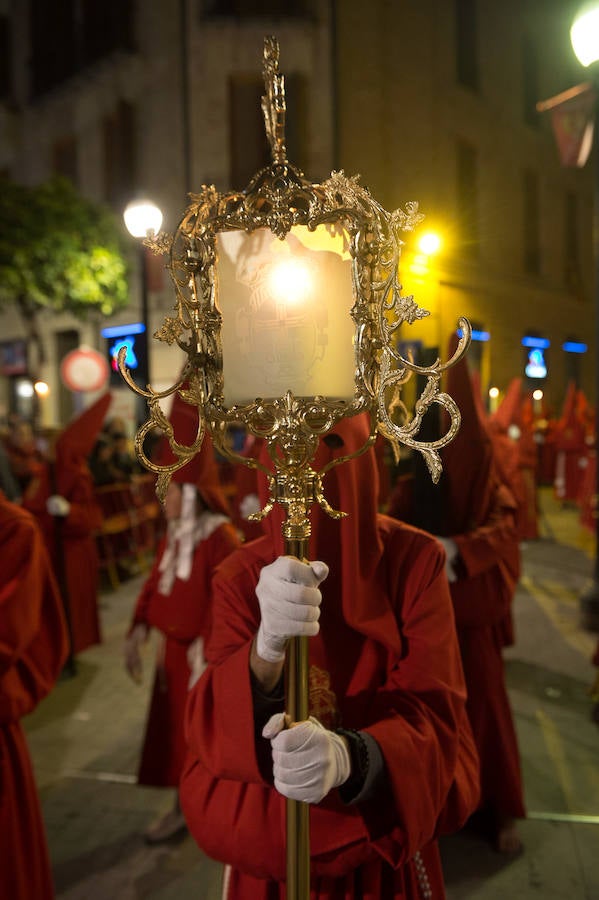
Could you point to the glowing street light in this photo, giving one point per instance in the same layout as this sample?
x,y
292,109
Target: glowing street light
x,y
143,219
429,243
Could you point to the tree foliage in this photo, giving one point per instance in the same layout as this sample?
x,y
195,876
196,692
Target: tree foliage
x,y
59,251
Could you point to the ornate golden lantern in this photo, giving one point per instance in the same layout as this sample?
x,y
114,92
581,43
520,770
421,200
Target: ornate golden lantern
x,y
288,304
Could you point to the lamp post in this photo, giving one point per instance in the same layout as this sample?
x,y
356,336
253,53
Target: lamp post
x,y
584,35
143,220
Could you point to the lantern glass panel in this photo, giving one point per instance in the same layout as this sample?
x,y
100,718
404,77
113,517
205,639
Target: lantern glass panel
x,y
286,322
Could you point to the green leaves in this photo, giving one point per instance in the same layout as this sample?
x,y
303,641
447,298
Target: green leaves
x,y
59,251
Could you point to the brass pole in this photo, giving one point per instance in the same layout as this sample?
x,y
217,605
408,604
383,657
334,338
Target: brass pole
x,y
296,706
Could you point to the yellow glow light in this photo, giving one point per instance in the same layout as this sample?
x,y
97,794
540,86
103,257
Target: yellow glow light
x,y
537,395
290,280
429,243
584,34
41,388
493,392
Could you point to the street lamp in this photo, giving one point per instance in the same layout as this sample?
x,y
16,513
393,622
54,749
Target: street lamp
x,y
143,220
584,35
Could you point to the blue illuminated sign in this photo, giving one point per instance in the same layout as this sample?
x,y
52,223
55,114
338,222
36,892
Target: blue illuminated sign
x,y
537,342
131,360
574,347
476,335
123,330
536,366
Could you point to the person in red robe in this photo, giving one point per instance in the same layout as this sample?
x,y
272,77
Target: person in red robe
x,y
175,601
571,449
505,433
386,759
33,649
62,498
478,530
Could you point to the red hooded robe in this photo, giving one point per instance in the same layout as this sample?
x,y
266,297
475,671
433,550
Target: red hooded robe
x,y
479,515
71,539
385,660
571,449
33,649
182,612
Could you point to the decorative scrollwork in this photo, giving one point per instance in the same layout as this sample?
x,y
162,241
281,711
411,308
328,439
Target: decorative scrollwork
x,y
279,198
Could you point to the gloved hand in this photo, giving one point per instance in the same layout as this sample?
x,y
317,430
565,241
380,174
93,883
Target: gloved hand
x,y
308,759
289,598
196,661
451,551
57,505
131,651
249,505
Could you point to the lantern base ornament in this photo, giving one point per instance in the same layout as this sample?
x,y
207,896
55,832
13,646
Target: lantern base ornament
x,y
289,308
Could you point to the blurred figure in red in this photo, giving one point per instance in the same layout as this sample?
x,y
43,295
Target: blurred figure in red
x,y
175,600
33,649
62,499
387,741
571,449
515,458
24,456
478,531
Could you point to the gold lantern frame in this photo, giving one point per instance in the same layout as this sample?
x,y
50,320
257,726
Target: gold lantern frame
x,y
278,198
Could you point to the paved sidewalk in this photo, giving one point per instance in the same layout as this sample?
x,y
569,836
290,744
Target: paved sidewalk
x,y
85,740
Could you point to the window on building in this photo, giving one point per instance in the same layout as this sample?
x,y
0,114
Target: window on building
x,y
5,59
249,149
572,277
64,158
255,8
467,196
66,36
466,44
530,82
120,154
531,223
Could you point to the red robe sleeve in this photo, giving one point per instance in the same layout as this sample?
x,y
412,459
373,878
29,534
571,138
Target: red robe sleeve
x,y
490,560
412,703
33,638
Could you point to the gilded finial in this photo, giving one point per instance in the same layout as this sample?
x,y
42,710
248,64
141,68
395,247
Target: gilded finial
x,y
273,101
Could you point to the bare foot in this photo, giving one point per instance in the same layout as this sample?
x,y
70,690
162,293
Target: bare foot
x,y
507,839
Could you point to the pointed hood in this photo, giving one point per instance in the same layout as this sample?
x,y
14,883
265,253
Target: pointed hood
x,y
202,469
570,430
568,415
352,547
509,408
76,441
469,478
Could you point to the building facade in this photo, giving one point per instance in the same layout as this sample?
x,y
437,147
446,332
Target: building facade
x,y
433,101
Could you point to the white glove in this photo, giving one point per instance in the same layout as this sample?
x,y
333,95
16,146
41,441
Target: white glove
x,y
308,759
131,649
289,598
57,505
196,661
249,505
451,554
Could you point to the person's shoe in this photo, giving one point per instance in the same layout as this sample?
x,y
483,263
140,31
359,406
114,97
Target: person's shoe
x,y
167,827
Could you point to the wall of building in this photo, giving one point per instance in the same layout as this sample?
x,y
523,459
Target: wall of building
x,y
379,97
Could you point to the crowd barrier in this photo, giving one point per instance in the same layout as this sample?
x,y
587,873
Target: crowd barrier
x,y
132,526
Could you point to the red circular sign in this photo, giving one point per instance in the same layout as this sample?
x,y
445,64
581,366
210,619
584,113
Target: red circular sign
x,y
84,370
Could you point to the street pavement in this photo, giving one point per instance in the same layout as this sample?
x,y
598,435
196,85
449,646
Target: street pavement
x,y
86,736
